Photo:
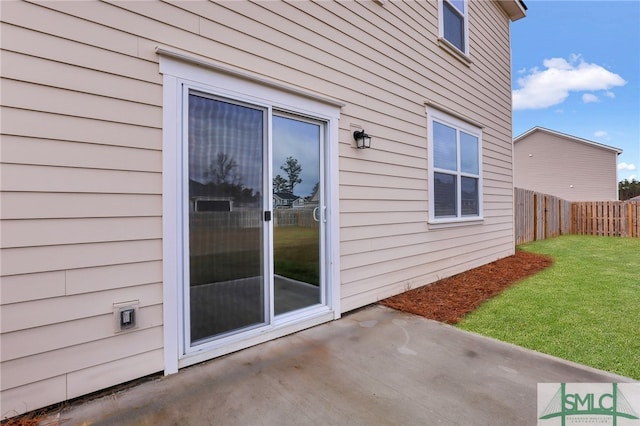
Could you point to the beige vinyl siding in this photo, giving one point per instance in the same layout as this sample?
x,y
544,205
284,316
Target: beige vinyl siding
x,y
45,232
81,207
82,189
378,266
565,167
26,205
63,361
35,151
44,285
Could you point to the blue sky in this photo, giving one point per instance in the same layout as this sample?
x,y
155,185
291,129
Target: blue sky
x,y
576,70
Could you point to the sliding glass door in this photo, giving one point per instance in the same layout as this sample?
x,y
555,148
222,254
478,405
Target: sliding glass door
x,y
250,259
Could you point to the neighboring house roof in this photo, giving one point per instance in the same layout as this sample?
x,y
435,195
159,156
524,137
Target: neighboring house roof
x,y
634,198
285,196
564,135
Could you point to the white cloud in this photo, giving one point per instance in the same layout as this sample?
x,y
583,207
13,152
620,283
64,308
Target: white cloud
x,y
609,94
589,97
625,166
551,86
601,134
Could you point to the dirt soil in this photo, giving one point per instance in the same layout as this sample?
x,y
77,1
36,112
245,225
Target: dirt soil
x,y
450,299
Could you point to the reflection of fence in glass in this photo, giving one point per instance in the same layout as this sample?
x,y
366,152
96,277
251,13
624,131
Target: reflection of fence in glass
x,y
233,219
295,217
252,219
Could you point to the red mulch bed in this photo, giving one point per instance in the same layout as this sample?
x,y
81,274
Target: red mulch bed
x,y
450,299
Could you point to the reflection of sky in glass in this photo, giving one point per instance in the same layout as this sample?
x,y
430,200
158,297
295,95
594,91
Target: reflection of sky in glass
x,y
468,153
459,4
300,140
444,147
218,127
221,127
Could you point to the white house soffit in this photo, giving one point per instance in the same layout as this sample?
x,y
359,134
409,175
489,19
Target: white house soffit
x,y
516,9
208,63
565,136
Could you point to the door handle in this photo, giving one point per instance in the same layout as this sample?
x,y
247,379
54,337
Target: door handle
x,y
315,210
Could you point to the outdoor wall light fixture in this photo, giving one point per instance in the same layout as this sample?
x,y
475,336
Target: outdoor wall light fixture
x,y
363,140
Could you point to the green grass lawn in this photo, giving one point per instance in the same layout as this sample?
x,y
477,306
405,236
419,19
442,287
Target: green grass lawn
x,y
227,254
297,253
585,308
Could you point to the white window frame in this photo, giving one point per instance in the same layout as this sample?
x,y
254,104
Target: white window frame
x,y
449,44
180,73
439,116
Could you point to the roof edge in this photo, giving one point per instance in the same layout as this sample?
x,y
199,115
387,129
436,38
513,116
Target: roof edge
x,y
566,136
516,9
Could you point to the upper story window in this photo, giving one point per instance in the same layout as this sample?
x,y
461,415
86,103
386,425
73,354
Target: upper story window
x,y
454,23
455,168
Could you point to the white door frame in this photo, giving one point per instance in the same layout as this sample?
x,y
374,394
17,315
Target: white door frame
x,y
179,72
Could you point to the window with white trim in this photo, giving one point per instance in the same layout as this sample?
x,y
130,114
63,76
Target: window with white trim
x,y
454,23
455,168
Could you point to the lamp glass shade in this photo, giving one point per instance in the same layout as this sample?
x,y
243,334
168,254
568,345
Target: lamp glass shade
x,y
363,140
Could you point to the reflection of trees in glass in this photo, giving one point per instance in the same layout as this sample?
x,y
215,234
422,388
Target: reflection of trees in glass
x,y
224,181
314,190
293,169
280,184
221,170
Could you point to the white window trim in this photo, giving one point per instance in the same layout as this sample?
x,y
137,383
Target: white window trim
x,y
446,44
460,125
179,69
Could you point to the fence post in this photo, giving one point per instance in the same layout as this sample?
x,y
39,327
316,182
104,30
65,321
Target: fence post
x,y
535,217
560,221
545,224
630,220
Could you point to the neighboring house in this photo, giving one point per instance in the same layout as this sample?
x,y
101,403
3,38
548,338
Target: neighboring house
x,y
284,199
117,116
565,166
300,203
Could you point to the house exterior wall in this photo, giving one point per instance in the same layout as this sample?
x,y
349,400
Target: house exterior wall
x,y
81,161
565,167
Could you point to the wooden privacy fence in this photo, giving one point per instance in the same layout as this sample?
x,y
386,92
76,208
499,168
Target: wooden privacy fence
x,y
539,216
607,218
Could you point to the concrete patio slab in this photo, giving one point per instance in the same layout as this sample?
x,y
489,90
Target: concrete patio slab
x,y
375,366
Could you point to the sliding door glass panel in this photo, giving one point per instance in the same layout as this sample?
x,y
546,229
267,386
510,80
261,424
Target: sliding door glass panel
x,y
225,168
297,201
